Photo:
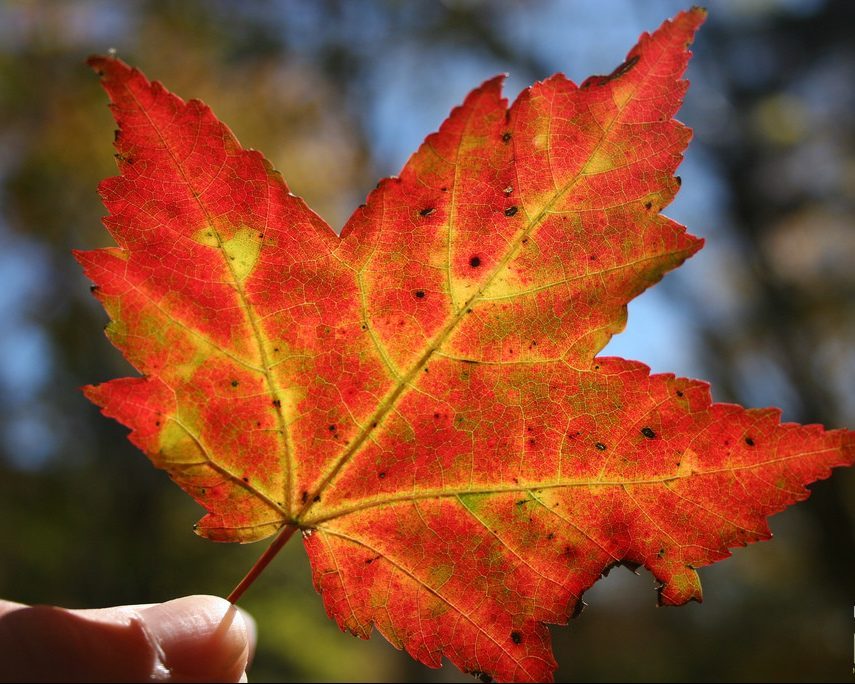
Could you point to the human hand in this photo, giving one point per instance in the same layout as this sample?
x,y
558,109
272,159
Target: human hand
x,y
190,639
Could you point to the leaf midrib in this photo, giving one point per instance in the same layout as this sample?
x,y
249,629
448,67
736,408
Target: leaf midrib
x,y
432,590
531,487
244,305
404,382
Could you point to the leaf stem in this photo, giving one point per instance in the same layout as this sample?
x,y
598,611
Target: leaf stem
x,y
262,563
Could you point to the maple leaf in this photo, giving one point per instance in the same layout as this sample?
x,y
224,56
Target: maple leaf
x,y
421,396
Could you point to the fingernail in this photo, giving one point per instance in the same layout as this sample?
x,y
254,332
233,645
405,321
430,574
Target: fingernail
x,y
199,638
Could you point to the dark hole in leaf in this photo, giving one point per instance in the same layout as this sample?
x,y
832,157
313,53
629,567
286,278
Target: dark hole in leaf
x,y
647,432
475,261
419,294
749,441
600,446
427,211
516,637
510,211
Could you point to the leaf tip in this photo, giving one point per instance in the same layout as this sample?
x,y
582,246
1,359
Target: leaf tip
x,y
100,63
110,68
93,394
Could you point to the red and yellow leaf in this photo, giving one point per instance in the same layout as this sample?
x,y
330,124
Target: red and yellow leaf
x,y
421,395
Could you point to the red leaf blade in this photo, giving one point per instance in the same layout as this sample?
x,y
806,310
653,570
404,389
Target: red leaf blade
x,y
421,396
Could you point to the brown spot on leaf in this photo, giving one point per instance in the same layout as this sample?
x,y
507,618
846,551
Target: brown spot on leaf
x,y
619,71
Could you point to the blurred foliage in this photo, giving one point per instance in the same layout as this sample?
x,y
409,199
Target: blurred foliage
x,y
768,309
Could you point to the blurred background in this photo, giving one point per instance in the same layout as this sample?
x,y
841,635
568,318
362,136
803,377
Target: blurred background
x,y
339,93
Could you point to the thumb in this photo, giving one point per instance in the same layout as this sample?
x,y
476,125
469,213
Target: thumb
x,y
200,638
190,639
